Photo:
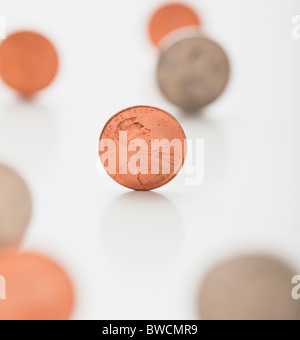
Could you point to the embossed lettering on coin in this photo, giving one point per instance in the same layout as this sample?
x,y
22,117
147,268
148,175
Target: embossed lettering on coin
x,y
142,148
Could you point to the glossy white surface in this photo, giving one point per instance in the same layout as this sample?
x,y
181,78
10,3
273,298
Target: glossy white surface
x,y
143,255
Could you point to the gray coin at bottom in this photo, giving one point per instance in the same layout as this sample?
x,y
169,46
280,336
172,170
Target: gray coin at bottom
x,y
15,206
249,288
193,72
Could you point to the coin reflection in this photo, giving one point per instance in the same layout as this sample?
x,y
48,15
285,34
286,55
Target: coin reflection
x,y
28,130
142,225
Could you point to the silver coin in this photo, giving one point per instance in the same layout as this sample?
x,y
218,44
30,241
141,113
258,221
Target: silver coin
x,y
193,72
15,207
249,288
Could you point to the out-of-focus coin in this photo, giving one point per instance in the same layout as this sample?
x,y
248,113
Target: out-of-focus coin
x,y
193,72
28,62
249,288
169,18
36,288
15,207
142,147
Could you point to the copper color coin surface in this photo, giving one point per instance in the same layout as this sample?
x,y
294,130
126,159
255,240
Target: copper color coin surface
x,y
193,72
28,62
15,206
169,18
36,288
249,288
139,164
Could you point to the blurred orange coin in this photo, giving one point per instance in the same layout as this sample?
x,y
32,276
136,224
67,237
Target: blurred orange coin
x,y
169,18
28,62
36,288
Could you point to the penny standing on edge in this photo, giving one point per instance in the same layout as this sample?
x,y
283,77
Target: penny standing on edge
x,y
142,148
193,72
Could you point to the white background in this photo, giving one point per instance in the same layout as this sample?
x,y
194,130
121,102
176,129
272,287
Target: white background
x,y
143,255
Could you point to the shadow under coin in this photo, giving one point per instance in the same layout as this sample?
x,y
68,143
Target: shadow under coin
x,y
27,132
192,114
141,226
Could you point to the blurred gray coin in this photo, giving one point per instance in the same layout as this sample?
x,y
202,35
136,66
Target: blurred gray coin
x,y
15,207
249,288
193,72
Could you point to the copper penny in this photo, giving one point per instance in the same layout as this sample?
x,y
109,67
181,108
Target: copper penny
x,y
36,288
193,72
249,288
169,18
149,147
15,206
28,62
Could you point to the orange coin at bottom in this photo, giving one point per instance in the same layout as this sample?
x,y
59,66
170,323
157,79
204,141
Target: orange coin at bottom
x,y
28,62
34,288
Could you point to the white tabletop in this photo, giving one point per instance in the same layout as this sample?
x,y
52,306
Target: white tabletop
x,y
143,255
